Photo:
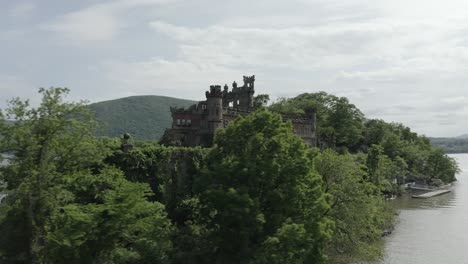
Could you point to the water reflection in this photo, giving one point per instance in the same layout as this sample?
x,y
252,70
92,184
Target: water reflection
x,y
432,230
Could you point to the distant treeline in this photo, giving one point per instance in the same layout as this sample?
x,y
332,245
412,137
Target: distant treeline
x,y
451,145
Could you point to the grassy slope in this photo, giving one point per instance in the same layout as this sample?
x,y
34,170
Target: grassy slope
x,y
144,117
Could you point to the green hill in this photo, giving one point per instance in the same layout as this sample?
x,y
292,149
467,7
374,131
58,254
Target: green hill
x,y
144,117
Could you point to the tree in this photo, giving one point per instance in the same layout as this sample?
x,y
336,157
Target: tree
x,y
358,210
375,131
441,167
52,147
259,187
374,157
339,123
261,100
44,143
103,218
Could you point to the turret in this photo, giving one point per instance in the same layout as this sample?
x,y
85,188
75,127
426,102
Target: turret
x,y
248,90
214,101
225,96
249,81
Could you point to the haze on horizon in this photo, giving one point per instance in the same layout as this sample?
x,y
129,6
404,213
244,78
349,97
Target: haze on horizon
x,y
401,61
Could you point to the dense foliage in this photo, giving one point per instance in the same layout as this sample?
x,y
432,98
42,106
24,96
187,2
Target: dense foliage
x,y
340,122
252,198
259,195
262,200
63,203
145,117
395,153
357,208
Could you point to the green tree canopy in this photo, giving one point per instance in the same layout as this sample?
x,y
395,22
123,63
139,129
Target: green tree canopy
x,y
339,123
358,210
258,189
62,201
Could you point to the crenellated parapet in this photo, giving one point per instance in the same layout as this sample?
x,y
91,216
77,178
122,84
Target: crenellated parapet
x,y
249,82
215,91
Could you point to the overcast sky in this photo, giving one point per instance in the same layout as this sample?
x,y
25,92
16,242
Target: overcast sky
x,y
402,61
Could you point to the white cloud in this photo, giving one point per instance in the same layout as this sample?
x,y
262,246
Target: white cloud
x,y
171,78
431,9
99,22
298,47
417,46
13,86
92,24
22,10
400,60
392,61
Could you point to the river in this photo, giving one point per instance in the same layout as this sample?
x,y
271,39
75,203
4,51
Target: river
x,y
432,230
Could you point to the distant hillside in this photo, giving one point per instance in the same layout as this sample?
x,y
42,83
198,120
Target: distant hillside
x,y
451,145
463,136
144,117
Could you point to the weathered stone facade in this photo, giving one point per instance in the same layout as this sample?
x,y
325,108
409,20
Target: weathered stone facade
x,y
197,125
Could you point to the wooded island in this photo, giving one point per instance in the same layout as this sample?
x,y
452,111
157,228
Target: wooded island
x,y
259,194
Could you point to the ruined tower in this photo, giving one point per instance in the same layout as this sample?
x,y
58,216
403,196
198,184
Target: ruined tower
x,y
240,97
214,102
197,124
247,93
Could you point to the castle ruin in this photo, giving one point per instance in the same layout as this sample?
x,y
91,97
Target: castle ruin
x,y
197,125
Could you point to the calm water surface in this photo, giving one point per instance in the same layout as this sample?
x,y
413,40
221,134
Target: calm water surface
x,y
432,230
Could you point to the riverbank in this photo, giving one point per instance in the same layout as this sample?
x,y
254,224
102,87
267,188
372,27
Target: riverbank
x,y
431,230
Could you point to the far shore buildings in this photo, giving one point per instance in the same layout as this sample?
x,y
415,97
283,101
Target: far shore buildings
x,y
197,125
